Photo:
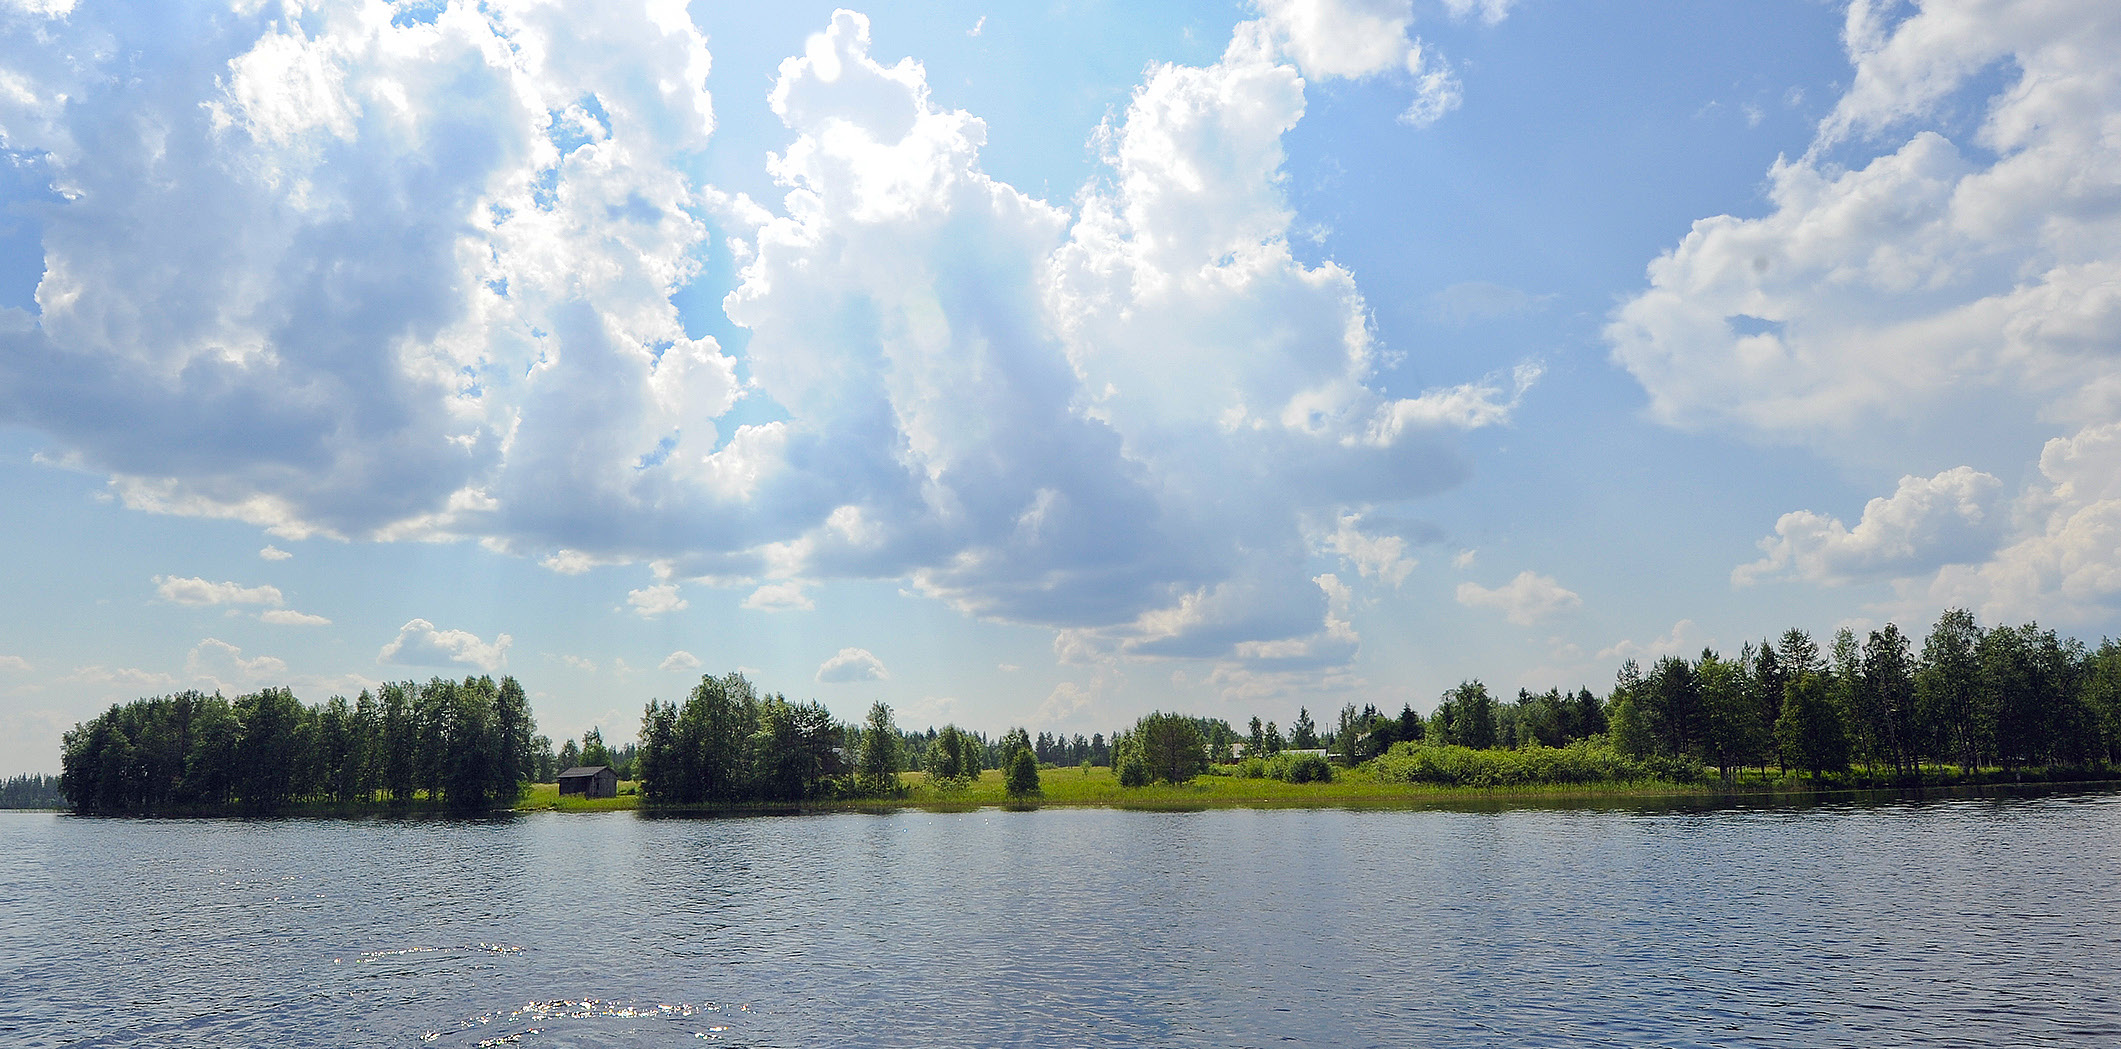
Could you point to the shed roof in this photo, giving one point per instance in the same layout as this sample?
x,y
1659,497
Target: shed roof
x,y
586,770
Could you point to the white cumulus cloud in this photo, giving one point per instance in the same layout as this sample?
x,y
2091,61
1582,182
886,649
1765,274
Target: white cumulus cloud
x,y
1927,288
1362,38
326,267
274,553
1919,282
779,597
1926,522
290,617
420,644
570,562
1372,555
649,602
1525,600
191,590
679,660
401,279
850,665
2063,561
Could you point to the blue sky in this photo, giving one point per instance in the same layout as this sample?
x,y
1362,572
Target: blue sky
x,y
1039,364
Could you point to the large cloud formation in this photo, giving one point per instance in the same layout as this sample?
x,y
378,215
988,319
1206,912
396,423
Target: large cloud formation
x,y
388,273
1965,283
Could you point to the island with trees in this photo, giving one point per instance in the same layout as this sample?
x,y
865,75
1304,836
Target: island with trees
x,y
1969,705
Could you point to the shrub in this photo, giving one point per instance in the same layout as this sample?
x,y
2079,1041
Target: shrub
x,y
1300,768
949,784
1579,762
1133,772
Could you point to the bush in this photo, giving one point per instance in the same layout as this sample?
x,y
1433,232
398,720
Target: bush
x,y
1579,762
1251,768
949,784
1300,768
1133,772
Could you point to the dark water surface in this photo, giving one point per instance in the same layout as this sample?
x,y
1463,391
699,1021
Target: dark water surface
x,y
1964,922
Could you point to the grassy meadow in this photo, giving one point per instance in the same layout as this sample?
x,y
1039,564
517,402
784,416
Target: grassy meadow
x,y
546,796
1099,787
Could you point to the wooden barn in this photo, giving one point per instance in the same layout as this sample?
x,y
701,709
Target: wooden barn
x,y
590,781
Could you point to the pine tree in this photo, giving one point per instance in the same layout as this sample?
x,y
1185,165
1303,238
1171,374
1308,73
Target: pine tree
x,y
1022,781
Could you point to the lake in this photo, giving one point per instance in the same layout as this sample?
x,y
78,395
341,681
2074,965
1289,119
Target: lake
x,y
1964,922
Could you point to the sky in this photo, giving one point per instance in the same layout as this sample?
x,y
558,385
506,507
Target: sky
x,y
1039,364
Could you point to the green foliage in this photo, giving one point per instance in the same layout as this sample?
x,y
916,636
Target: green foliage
x,y
1732,733
954,757
1460,766
1170,747
1668,704
883,754
594,752
31,792
1022,781
794,750
2102,695
1299,768
266,751
1466,717
1347,736
1947,684
1133,771
725,744
1630,733
1813,732
1303,735
1012,741
1286,767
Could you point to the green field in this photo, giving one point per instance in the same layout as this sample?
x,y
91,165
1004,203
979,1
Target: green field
x,y
1098,787
546,796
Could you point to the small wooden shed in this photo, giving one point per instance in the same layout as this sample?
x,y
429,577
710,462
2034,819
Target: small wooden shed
x,y
590,781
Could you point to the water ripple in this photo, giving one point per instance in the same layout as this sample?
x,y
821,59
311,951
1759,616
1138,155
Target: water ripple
x,y
1957,923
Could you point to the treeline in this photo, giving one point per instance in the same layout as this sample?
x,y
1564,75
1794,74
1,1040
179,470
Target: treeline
x,y
591,752
1969,702
2010,698
1046,748
2007,700
31,792
726,744
466,745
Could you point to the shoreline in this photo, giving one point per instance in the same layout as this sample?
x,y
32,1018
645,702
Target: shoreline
x,y
1068,789
1208,792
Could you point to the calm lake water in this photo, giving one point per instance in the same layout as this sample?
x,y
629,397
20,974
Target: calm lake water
x,y
1960,922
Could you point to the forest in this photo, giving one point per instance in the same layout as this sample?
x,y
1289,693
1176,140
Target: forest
x,y
1967,704
462,745
31,792
2008,702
